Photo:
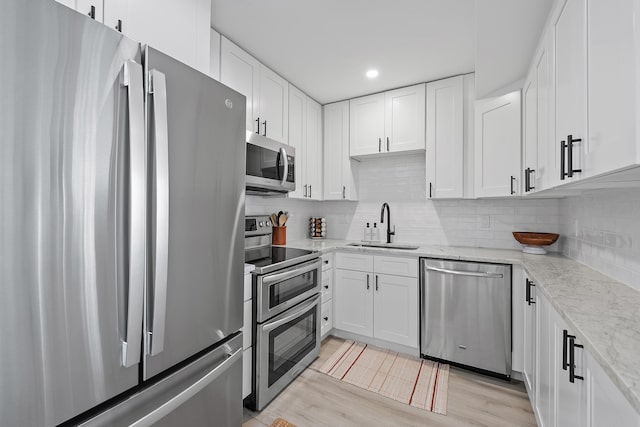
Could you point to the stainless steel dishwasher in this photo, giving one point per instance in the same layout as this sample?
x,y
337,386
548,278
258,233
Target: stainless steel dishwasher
x,y
465,310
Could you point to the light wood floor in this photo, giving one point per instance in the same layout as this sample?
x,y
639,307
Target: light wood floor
x,y
315,399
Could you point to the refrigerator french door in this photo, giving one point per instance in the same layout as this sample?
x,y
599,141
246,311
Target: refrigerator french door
x,y
121,244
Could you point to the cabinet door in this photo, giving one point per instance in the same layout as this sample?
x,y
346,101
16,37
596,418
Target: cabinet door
x,y
326,318
530,129
541,177
297,138
396,309
353,302
497,146
178,28
613,75
544,371
366,125
569,37
605,404
240,71
313,149
445,138
569,395
404,117
339,182
274,105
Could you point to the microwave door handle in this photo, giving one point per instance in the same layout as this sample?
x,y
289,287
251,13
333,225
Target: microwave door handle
x,y
283,153
136,207
158,90
303,307
466,273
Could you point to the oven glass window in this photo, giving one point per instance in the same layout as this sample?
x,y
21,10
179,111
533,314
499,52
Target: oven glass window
x,y
265,163
290,343
287,289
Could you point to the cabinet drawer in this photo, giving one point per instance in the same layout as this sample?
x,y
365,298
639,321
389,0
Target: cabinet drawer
x,y
247,327
246,372
407,267
327,285
247,287
326,319
327,261
358,262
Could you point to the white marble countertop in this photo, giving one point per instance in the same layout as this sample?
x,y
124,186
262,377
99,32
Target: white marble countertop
x,y
603,313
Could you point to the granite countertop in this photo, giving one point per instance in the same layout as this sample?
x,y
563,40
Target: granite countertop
x,y
603,313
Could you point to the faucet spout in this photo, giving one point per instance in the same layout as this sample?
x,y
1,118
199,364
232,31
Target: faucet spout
x,y
389,232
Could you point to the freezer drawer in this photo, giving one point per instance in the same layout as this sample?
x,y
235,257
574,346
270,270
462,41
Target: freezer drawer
x,y
205,393
466,314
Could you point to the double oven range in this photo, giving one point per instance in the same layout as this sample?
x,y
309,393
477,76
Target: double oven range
x,y
286,311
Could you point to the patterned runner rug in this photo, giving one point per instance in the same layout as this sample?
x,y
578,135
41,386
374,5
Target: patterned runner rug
x,y
416,382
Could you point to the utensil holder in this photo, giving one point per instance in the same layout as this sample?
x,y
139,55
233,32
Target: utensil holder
x,y
279,236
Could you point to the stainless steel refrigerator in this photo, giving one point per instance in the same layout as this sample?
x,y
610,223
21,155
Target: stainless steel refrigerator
x,y
121,233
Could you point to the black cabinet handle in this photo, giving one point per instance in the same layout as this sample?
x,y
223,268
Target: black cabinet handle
x,y
528,291
326,261
379,145
572,360
430,190
526,180
119,25
309,188
265,128
344,192
367,282
326,286
92,12
387,143
570,169
563,145
513,178
376,282
326,319
258,121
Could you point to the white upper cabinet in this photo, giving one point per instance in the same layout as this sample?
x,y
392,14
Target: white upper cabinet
x,y
497,146
366,124
569,45
389,122
273,105
530,133
613,49
297,138
445,138
339,181
404,120
313,150
241,71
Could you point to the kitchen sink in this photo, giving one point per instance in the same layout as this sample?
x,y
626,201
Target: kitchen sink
x,y
384,245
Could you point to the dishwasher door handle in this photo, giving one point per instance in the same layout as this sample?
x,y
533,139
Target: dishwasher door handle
x,y
466,273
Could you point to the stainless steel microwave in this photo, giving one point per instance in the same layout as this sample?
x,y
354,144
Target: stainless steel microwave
x,y
270,166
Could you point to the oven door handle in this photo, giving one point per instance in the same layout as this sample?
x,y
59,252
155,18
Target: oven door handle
x,y
303,307
279,277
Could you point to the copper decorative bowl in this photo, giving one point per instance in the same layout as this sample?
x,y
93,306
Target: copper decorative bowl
x,y
534,242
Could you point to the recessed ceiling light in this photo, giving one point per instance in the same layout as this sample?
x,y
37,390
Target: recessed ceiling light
x,y
372,74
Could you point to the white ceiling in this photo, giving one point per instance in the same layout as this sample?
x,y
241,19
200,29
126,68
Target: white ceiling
x,y
325,47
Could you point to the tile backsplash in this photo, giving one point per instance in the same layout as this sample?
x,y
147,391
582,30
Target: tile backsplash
x,y
400,181
602,230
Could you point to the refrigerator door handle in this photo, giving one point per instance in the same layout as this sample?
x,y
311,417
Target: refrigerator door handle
x,y
173,403
158,92
131,342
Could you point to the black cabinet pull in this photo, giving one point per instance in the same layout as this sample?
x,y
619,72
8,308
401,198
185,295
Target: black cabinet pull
x,y
258,121
309,190
563,145
326,261
326,286
513,178
430,190
119,25
376,282
305,190
92,12
379,145
526,180
265,128
344,192
326,319
528,291
570,169
565,336
387,143
572,360
367,282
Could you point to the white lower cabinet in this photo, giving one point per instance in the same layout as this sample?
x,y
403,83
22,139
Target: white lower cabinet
x,y
371,302
571,389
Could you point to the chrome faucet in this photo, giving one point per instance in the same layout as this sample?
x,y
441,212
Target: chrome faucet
x,y
389,232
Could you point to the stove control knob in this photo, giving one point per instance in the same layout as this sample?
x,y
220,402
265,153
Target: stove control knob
x,y
268,224
261,224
